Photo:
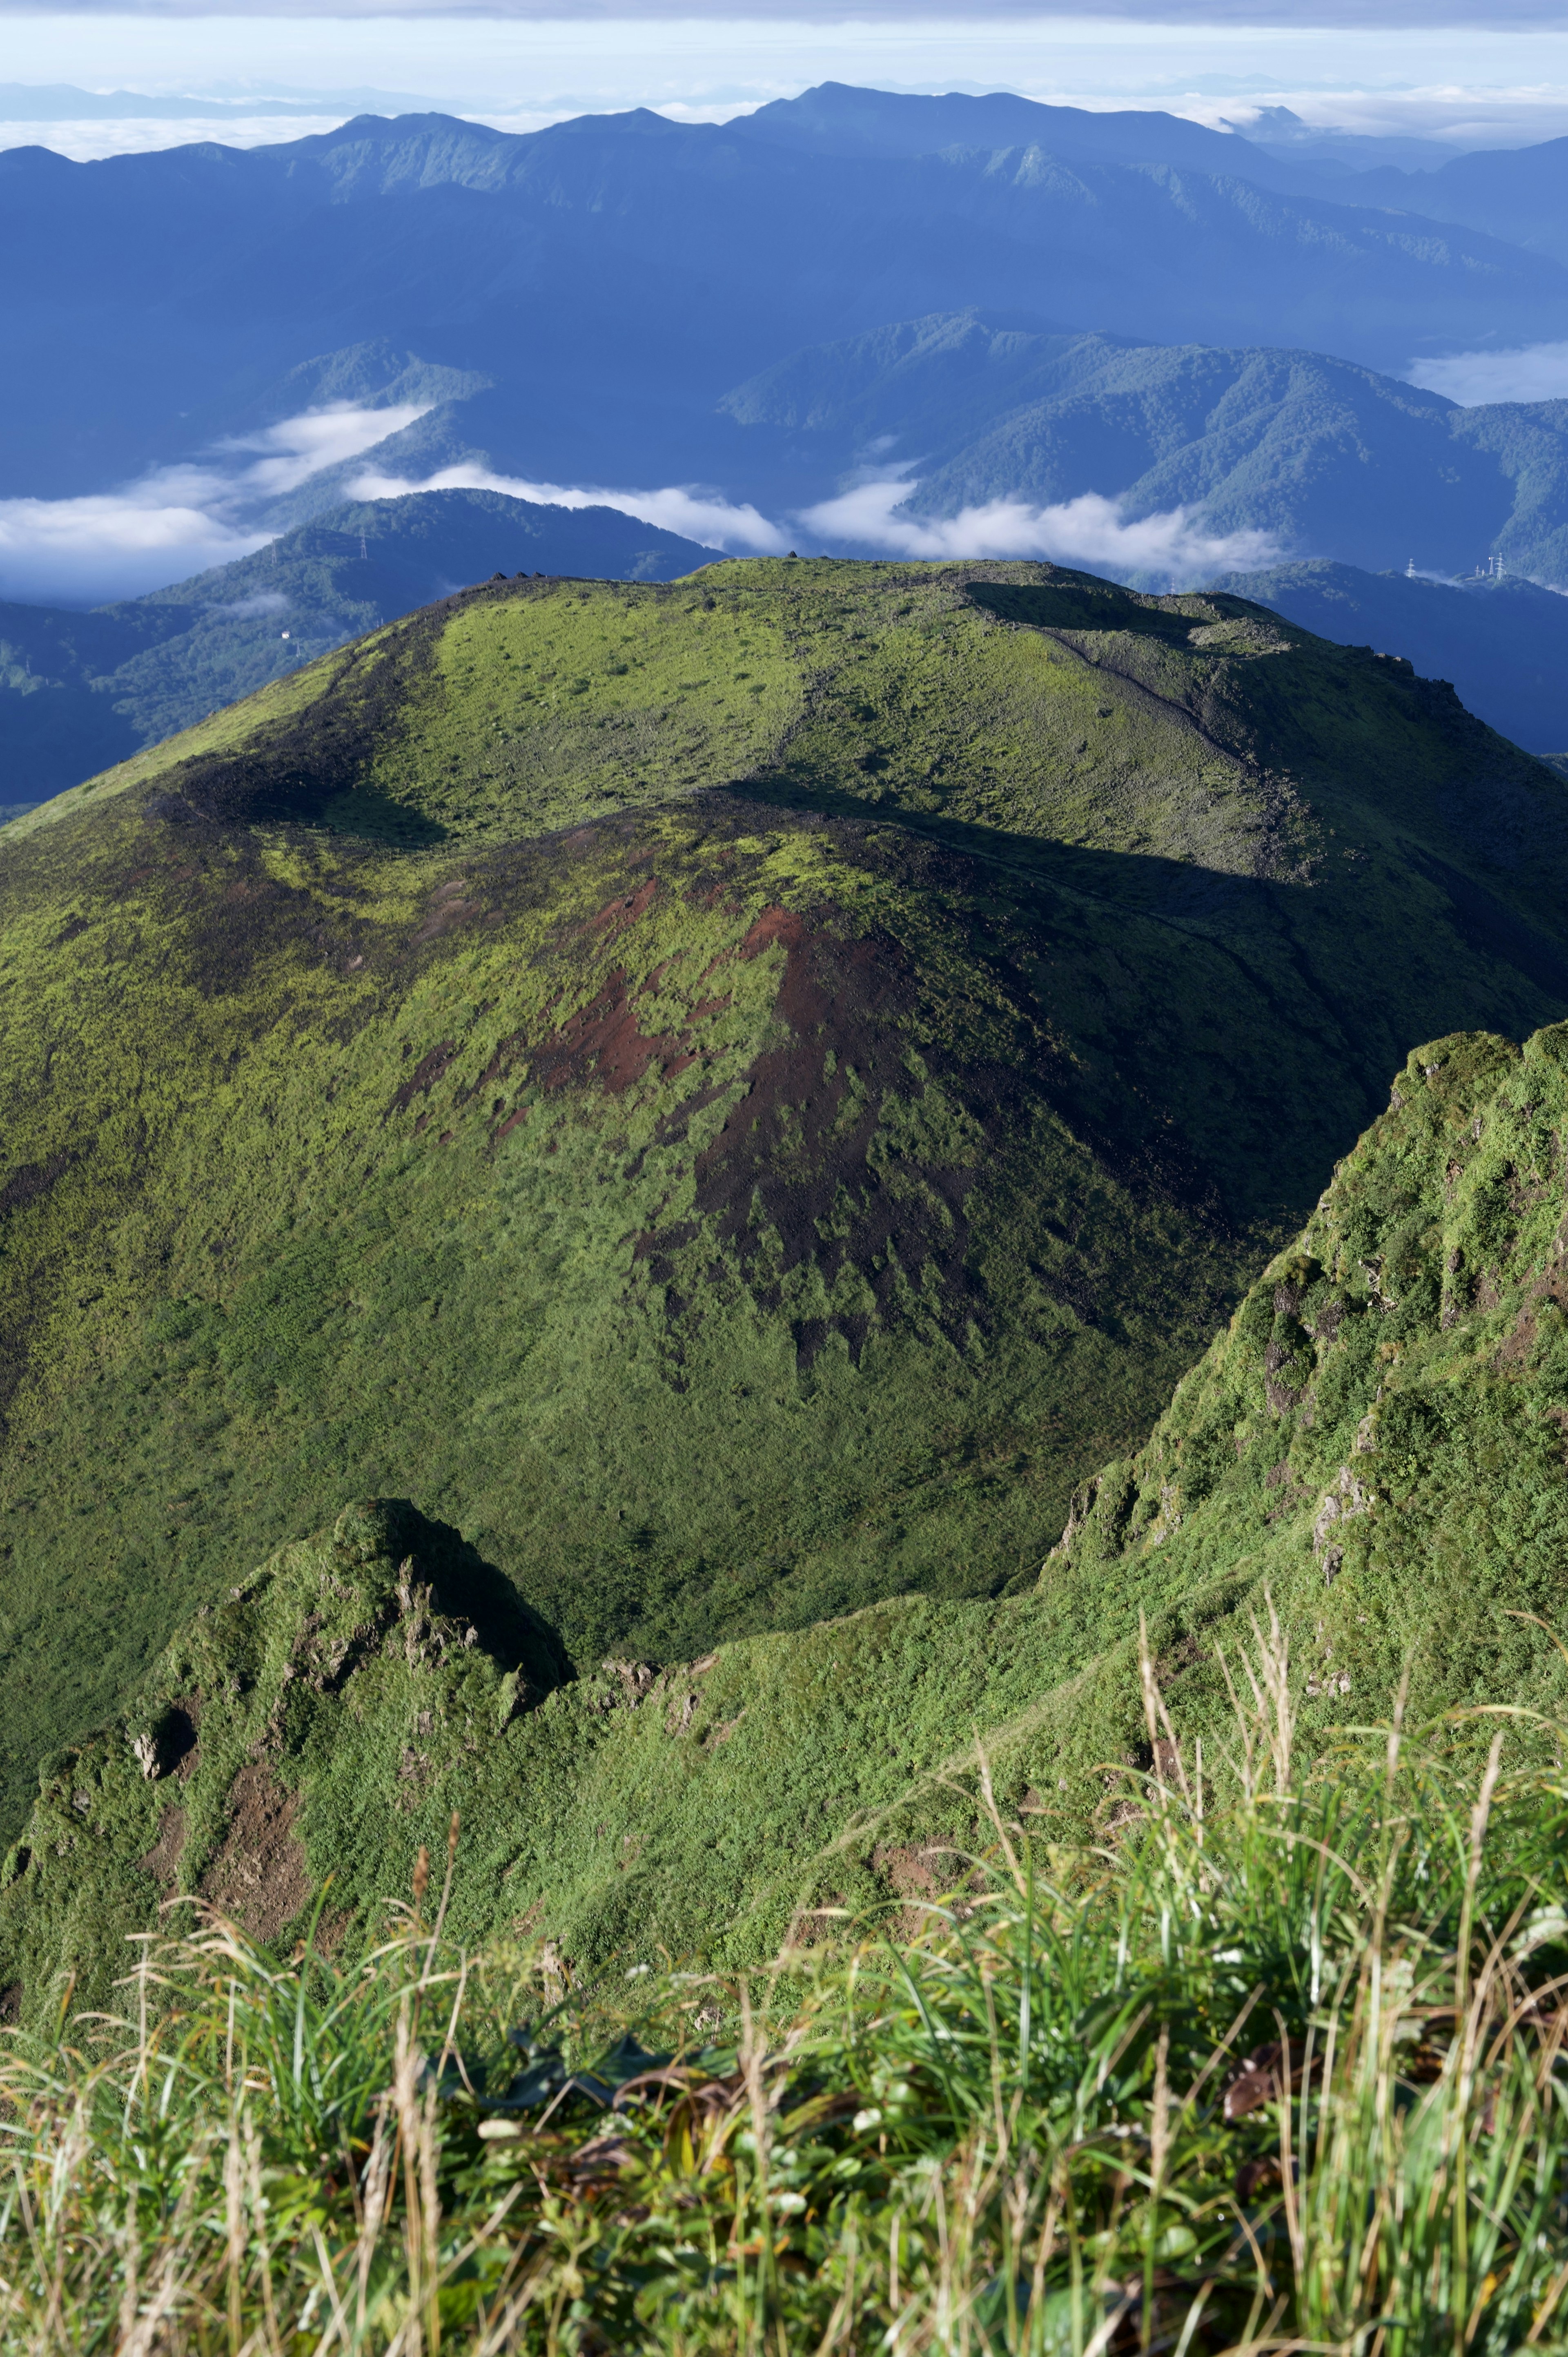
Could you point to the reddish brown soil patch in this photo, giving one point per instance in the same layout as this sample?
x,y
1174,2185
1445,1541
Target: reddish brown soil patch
x,y
162,1861
628,911
774,925
447,909
907,1870
424,1075
329,1932
796,1153
602,1043
1517,1346
259,1877
914,1875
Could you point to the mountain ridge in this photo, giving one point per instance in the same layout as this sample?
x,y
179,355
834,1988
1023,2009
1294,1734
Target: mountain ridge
x,y
1334,460
736,1094
299,1742
221,269
88,690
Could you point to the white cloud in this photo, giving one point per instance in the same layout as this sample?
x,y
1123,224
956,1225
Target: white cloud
x,y
176,521
696,515
1533,372
1090,530
321,437
91,139
266,601
116,544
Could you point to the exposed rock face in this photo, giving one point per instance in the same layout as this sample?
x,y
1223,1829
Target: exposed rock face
x,y
1348,1496
260,1876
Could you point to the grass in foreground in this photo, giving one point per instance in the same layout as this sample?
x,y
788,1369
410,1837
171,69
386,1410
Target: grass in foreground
x,y
1281,2072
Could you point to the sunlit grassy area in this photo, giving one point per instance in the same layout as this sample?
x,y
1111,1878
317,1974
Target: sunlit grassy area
x,y
1277,2064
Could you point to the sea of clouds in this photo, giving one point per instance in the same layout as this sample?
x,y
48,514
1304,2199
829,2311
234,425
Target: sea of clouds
x,y
870,520
177,520
1091,531
1531,373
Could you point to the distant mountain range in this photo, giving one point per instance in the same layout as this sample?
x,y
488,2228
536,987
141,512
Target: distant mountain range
x,y
1327,457
23,102
1515,193
613,277
986,300
81,692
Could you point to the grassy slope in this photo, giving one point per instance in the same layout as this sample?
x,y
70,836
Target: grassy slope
x,y
1500,642
908,2143
78,691
1380,1434
736,1095
1376,1443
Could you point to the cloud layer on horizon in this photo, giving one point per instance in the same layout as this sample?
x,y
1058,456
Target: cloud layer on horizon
x,y
1090,530
696,515
1401,15
177,521
1531,373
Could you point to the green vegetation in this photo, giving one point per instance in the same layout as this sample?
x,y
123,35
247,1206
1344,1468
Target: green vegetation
x,y
1381,1433
1375,1447
736,1095
1499,640
1278,2064
737,1098
81,691
1312,452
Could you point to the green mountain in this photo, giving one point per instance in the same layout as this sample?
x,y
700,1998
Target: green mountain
x,y
1327,458
736,1095
1374,1450
610,276
1511,192
81,691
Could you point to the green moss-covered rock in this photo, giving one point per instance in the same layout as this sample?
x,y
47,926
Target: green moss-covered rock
x,y
346,1676
1381,1434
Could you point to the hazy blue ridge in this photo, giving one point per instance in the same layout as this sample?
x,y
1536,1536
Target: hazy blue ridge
x,y
1516,193
615,275
1328,459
